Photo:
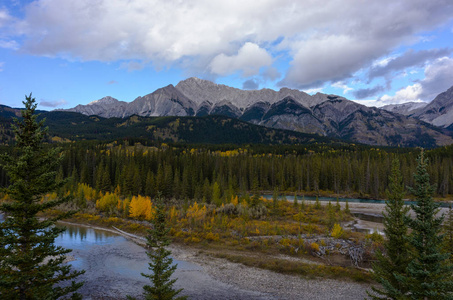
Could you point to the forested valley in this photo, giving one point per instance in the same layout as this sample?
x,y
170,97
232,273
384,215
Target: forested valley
x,y
212,197
192,172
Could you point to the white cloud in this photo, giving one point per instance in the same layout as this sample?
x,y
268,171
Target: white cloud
x,y
314,90
327,42
5,18
249,59
438,78
411,93
9,44
1,66
343,86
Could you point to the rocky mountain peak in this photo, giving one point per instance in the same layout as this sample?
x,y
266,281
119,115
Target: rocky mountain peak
x,y
104,100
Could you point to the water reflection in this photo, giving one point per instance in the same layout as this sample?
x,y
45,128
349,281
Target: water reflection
x,y
79,237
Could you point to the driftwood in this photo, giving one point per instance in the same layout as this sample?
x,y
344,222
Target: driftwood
x,y
356,255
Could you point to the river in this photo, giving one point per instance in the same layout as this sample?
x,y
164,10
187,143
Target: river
x,y
113,265
350,200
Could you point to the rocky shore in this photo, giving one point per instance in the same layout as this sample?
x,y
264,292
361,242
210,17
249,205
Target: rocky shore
x,y
201,276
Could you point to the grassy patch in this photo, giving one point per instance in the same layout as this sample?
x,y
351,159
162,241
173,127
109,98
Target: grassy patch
x,y
306,270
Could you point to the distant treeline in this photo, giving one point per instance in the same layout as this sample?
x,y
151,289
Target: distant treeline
x,y
185,172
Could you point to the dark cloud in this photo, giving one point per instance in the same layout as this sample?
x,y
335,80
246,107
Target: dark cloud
x,y
250,85
409,59
365,93
112,82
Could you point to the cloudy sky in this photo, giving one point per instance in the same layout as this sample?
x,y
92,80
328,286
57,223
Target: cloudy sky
x,y
73,52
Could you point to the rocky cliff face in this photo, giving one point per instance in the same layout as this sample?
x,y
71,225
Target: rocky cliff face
x,y
406,109
327,115
167,101
106,107
438,112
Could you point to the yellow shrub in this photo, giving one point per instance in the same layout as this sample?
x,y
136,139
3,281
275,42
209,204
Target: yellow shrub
x,y
195,212
141,207
337,231
285,242
314,246
212,236
234,200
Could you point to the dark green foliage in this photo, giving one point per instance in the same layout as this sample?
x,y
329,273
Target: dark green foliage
x,y
337,205
275,200
31,265
295,202
429,274
346,208
161,263
448,240
213,129
331,217
317,203
350,170
391,264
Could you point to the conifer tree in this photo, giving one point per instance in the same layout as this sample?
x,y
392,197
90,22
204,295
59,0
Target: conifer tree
x,y
161,264
337,205
429,274
448,239
31,265
275,199
393,261
317,203
346,208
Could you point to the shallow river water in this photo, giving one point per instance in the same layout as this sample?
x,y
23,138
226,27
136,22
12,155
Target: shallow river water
x,y
113,265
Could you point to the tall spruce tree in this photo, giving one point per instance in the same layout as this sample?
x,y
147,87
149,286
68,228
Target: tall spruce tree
x,y
429,274
392,262
448,230
161,264
31,265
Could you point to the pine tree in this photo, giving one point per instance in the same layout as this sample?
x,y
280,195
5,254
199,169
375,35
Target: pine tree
x,y
31,265
295,203
448,239
161,264
429,274
275,199
346,208
337,205
393,261
317,203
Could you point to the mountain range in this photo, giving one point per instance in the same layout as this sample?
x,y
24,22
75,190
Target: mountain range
x,y
290,109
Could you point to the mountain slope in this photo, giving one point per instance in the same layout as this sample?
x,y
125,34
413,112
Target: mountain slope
x,y
207,130
438,112
106,107
200,91
406,109
326,115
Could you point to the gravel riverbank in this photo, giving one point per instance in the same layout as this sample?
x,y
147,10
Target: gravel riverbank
x,y
201,276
